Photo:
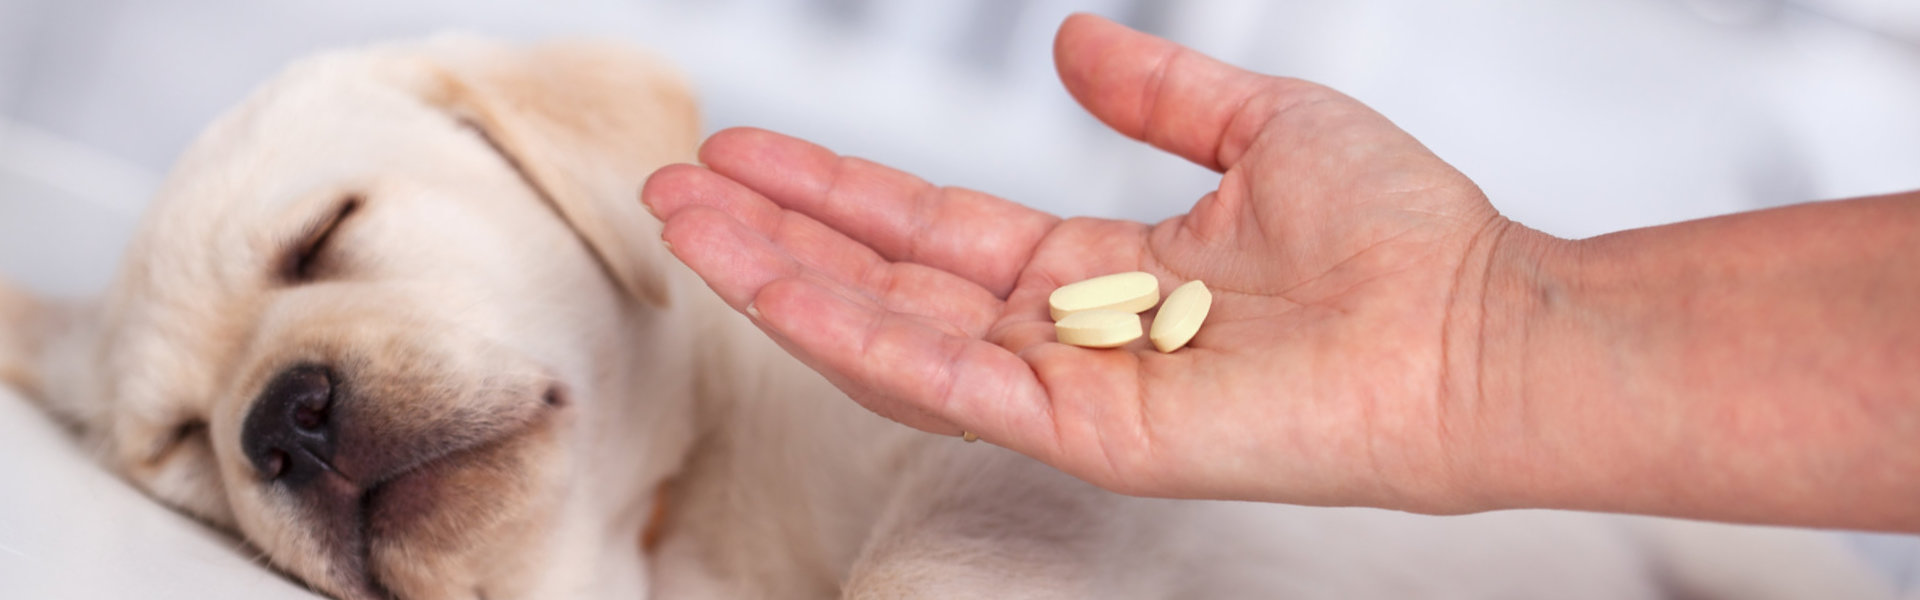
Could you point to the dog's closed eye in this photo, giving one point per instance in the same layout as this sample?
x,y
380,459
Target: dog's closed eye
x,y
306,261
186,432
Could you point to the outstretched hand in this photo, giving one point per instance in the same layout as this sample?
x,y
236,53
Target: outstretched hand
x,y
1338,365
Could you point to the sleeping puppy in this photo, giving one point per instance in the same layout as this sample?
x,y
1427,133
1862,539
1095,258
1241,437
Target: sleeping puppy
x,y
400,323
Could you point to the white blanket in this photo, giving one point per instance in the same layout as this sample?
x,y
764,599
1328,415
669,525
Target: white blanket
x,y
69,530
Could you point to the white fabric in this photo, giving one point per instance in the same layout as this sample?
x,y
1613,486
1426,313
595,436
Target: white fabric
x,y
71,531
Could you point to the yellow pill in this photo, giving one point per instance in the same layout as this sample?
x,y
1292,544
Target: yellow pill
x,y
1180,317
1098,328
1129,292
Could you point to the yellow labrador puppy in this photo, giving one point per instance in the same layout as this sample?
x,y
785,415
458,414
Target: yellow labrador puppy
x,y
400,322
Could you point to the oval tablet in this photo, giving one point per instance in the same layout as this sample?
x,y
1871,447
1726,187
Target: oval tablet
x,y
1130,292
1180,317
1098,328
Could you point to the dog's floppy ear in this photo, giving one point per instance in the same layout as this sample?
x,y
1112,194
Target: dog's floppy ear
x,y
43,344
586,123
22,335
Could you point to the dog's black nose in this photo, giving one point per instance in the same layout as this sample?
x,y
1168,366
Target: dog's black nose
x,y
288,435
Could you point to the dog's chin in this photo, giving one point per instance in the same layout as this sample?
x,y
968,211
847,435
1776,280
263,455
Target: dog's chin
x,y
463,525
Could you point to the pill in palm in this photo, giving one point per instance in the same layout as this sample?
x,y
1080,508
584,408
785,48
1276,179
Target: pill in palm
x,y
1127,292
1180,316
1098,328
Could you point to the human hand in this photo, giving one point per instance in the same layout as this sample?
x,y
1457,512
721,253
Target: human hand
x,y
1338,365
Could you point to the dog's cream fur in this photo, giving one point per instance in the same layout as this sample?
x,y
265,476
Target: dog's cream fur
x,y
498,305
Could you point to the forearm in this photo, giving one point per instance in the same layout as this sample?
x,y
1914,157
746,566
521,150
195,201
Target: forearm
x,y
1757,367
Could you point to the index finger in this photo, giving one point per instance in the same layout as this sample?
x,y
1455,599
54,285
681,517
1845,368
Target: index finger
x,y
982,238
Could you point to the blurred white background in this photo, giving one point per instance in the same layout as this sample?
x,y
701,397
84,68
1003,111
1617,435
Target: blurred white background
x,y
1579,117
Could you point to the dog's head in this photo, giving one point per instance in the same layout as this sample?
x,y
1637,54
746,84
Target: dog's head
x,y
385,319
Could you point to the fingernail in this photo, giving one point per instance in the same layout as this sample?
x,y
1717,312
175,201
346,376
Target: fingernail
x,y
753,312
667,244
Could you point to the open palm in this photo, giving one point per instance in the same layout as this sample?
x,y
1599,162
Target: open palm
x,y
1337,366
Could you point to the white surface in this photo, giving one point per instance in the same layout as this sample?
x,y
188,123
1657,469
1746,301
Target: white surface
x,y
70,531
1579,117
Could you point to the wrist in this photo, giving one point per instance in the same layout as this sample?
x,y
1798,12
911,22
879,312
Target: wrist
x,y
1740,368
1512,278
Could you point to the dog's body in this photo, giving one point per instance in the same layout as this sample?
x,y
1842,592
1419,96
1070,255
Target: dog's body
x,y
400,322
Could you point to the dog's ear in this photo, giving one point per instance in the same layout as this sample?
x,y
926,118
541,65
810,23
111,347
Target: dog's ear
x,y
22,336
585,123
41,351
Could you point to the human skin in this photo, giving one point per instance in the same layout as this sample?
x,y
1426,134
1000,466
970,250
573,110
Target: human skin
x,y
1380,335
1760,367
